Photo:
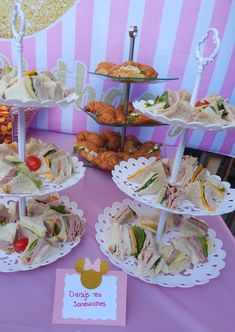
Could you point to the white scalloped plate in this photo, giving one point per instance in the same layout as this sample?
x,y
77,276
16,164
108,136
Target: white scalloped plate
x,y
12,263
40,104
198,275
50,187
139,105
125,168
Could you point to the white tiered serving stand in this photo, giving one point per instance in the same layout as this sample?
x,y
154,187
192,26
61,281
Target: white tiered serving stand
x,y
124,169
47,187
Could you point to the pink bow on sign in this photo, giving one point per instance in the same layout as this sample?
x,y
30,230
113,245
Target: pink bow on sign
x,y
89,266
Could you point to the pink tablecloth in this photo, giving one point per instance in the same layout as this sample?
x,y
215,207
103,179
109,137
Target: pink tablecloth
x,y
27,297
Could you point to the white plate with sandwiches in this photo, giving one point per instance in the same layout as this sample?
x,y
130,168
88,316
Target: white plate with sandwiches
x,y
196,192
37,90
189,254
52,227
173,108
47,169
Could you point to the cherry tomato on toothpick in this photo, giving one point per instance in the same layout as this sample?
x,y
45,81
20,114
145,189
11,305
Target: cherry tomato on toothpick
x,y
201,103
33,162
21,244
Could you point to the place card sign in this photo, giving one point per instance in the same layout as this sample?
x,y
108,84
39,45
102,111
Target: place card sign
x,y
76,304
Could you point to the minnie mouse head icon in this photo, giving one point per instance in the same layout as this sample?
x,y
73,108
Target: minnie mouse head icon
x,y
91,274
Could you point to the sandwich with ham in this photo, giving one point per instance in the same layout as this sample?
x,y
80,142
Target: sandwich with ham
x,y
37,251
62,225
213,110
176,261
150,261
5,216
118,241
21,182
7,235
41,87
193,227
196,248
170,104
125,215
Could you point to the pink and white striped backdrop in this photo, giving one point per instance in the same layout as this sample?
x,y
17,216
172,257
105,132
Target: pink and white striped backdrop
x,y
96,30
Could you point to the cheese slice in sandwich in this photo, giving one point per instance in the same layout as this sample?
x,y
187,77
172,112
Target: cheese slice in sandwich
x,y
200,174
8,232
149,224
34,224
195,192
219,188
20,184
155,183
143,174
55,225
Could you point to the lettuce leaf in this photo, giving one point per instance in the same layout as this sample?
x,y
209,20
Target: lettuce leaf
x,y
59,208
156,263
26,172
32,245
148,182
140,238
204,244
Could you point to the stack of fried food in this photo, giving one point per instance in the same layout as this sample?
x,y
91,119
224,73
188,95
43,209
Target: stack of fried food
x,y
5,124
127,69
109,114
103,150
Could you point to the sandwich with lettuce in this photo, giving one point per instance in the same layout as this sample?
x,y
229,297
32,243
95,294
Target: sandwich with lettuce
x,y
33,86
38,250
214,110
171,104
152,180
206,195
196,248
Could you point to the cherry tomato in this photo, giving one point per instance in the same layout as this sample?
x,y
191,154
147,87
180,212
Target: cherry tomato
x,y
33,162
21,244
201,103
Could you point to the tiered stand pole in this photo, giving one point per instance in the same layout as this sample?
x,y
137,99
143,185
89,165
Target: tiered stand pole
x,y
202,62
17,11
133,34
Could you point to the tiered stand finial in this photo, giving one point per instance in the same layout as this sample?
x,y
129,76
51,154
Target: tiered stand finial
x,y
202,62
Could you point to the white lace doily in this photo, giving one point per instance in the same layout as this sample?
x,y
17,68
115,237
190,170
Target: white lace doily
x,y
200,274
49,186
12,263
40,104
140,105
125,168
